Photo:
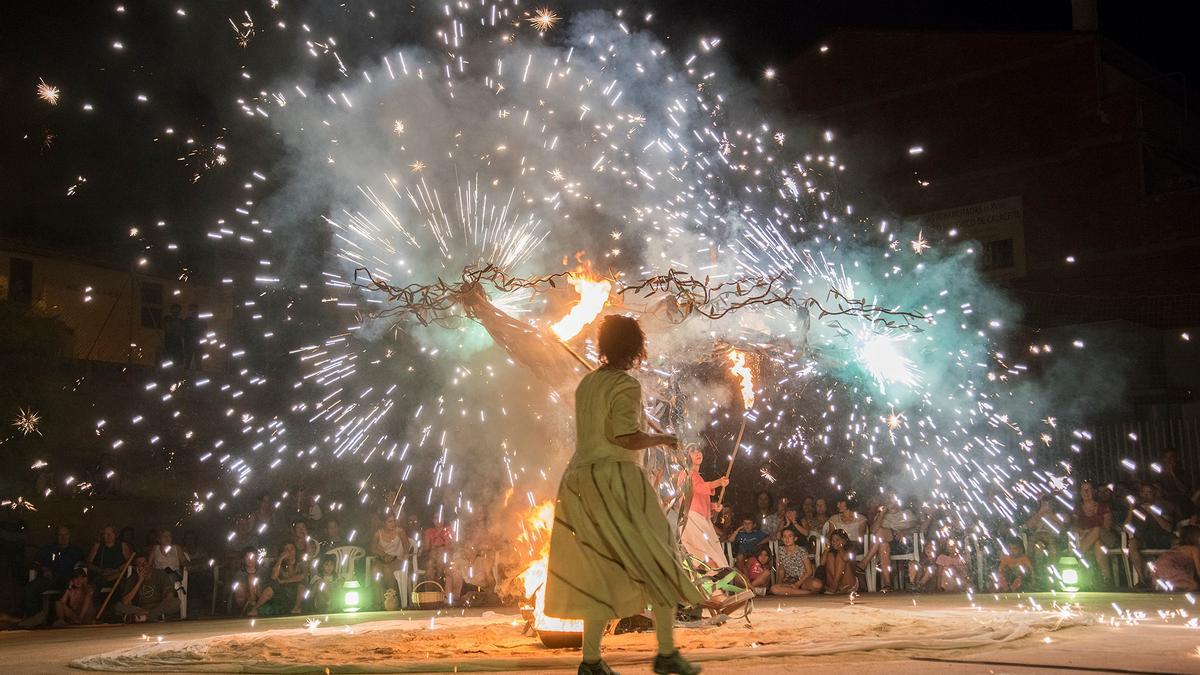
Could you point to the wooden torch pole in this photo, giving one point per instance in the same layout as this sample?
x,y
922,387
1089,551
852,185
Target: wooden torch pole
x,y
736,444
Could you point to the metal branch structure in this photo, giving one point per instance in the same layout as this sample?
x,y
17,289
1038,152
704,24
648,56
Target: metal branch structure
x,y
693,296
429,303
688,296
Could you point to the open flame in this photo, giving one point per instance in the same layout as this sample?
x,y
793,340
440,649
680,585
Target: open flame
x,y
742,371
593,295
537,527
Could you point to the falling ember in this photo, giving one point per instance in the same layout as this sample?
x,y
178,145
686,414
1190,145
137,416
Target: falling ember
x,y
920,244
27,421
742,371
537,526
593,295
47,93
544,19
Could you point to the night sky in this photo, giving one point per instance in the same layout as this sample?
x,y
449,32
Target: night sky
x,y
188,67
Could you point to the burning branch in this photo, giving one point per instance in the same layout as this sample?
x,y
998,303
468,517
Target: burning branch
x,y
745,378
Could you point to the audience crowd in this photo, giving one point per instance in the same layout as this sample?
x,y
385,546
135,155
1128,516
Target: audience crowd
x,y
1144,529
290,556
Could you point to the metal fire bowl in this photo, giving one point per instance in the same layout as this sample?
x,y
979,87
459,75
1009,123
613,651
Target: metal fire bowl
x,y
559,640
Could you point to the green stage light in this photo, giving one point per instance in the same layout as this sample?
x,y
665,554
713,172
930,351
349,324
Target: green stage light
x,y
1070,577
351,599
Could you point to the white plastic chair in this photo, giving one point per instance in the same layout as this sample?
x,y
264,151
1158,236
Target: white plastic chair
x,y
347,559
1133,575
912,557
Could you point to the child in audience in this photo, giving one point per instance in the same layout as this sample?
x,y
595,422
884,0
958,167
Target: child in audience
x,y
795,568
952,567
251,589
919,576
1014,568
838,565
758,571
746,540
326,584
74,606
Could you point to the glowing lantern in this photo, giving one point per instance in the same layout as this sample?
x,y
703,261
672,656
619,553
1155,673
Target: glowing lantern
x,y
351,596
1070,577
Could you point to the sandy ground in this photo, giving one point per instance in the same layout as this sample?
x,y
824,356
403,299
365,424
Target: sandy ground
x,y
1142,633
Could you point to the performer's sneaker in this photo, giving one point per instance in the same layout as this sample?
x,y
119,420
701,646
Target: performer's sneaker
x,y
674,664
597,668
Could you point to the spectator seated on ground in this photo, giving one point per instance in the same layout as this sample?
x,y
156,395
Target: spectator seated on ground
x,y
758,570
1015,569
107,557
288,578
837,567
325,585
147,595
1176,569
952,568
75,606
251,587
798,574
921,575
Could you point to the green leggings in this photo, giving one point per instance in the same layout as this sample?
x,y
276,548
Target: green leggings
x,y
664,628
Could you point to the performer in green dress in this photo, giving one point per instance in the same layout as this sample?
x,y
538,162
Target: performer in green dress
x,y
612,552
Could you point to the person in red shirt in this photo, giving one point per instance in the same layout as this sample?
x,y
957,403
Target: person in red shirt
x,y
699,536
1093,525
758,571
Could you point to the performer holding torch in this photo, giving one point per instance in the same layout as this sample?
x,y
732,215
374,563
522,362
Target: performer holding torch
x,y
699,537
612,552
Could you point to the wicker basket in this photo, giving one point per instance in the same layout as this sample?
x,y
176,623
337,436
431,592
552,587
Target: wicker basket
x,y
429,599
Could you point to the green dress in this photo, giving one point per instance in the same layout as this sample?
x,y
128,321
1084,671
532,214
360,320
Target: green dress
x,y
612,552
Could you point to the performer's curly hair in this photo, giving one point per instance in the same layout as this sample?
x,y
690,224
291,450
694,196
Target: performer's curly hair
x,y
622,342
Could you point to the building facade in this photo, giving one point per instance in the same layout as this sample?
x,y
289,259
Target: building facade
x,y
113,314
